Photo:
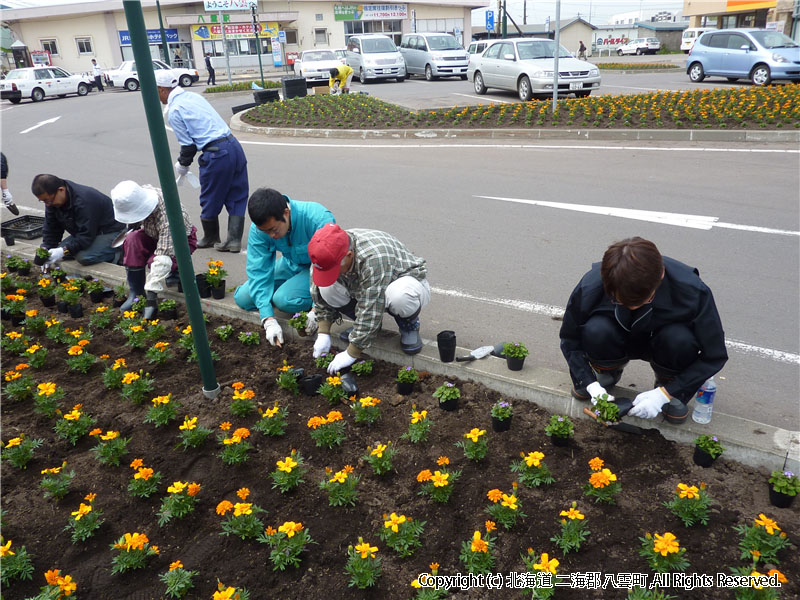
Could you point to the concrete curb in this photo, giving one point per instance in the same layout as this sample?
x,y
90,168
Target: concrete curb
x,y
650,135
747,441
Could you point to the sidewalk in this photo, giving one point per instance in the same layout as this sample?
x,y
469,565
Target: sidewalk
x,y
747,441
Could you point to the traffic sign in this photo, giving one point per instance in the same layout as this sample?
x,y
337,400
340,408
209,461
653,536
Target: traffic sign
x,y
282,37
489,20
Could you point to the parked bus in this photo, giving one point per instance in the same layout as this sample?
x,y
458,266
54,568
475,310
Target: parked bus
x,y
689,37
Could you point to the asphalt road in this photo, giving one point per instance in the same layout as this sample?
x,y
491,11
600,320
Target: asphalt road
x,y
501,270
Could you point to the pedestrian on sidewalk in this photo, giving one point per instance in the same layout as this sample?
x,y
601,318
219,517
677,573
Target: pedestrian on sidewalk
x,y
223,165
98,75
279,224
212,75
638,304
582,51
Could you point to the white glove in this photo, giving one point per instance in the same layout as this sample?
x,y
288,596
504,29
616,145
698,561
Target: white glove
x,y
273,330
596,390
56,254
180,169
341,361
311,323
647,405
7,197
159,269
322,345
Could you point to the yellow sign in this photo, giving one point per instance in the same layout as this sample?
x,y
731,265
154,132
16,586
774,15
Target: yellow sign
x,y
740,5
233,31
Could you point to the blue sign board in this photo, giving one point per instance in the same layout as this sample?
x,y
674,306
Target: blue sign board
x,y
282,37
153,36
489,20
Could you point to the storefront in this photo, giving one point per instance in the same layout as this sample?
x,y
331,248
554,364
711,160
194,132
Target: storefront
x,y
778,15
183,50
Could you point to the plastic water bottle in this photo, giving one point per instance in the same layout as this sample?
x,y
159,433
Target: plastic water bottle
x,y
704,402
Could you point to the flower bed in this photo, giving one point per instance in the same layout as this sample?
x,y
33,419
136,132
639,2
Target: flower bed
x,y
770,107
195,485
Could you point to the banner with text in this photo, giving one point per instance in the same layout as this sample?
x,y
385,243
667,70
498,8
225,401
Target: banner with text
x,y
153,36
218,5
233,31
369,12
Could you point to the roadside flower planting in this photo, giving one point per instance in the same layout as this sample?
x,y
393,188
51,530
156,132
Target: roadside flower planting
x,y
417,504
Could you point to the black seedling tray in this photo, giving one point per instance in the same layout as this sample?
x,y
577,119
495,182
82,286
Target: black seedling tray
x,y
23,228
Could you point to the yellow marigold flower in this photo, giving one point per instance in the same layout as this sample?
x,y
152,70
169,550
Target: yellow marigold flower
x,y
130,378
417,416
573,514
781,576
46,389
339,477
223,507
753,583
270,531
194,489
101,309
76,333
240,509
13,335
31,313
161,400
51,576
224,594
290,528
135,541
73,415
119,363
109,435
237,385
43,282
83,509
213,271
144,473
243,493
440,479
187,330
177,487
67,585
601,479
494,495
12,375
665,544
364,549
596,463
415,584
161,346
53,470
490,526
75,351
533,459
687,491
175,565
478,544
270,412
136,328
5,549
509,501
767,523
33,349
755,553
547,564
136,463
225,426
245,395
443,461
379,450
394,522
14,442
90,497
188,424
333,381
286,465
475,434
424,475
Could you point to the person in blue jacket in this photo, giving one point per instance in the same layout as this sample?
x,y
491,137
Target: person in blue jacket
x,y
279,224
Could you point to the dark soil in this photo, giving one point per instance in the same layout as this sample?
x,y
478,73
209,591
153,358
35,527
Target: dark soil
x,y
648,466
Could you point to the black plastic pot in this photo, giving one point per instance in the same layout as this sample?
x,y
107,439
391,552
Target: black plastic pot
x,y
451,404
17,320
264,96
779,499
119,301
96,296
26,270
202,286
168,314
501,424
310,384
75,310
702,458
557,440
39,261
405,387
349,384
62,306
48,300
5,315
218,292
446,342
514,363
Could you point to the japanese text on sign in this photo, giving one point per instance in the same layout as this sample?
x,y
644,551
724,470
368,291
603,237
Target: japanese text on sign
x,y
369,12
217,5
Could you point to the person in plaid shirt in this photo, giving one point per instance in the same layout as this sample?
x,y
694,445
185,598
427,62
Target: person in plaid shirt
x,y
361,273
149,243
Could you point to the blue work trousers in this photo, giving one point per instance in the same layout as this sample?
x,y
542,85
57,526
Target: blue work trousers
x,y
292,292
99,250
223,179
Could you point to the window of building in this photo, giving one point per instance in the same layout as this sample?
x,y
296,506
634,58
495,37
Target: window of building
x,y
291,36
320,36
440,25
319,16
84,45
50,46
394,29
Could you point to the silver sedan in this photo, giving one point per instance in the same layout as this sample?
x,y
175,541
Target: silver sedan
x,y
525,65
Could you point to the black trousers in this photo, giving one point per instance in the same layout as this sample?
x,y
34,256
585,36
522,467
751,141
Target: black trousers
x,y
212,77
669,350
98,82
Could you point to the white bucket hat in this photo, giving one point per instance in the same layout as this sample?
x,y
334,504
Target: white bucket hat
x,y
132,202
166,79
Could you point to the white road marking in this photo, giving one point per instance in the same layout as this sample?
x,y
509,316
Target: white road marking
x,y
40,123
664,218
549,310
393,146
5,109
483,98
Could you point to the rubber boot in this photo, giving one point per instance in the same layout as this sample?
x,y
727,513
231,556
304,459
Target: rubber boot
x,y
151,306
135,276
235,231
410,341
210,233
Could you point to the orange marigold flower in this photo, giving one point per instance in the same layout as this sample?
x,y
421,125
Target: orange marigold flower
x,y
90,497
490,526
225,426
442,461
424,475
193,490
237,386
242,433
144,473
495,495
596,463
348,469
243,493
175,565
51,576
95,431
223,507
136,463
478,545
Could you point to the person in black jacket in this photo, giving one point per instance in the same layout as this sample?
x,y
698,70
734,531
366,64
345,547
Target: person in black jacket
x,y
636,304
83,212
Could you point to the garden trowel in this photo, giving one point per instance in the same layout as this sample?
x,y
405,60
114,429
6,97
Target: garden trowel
x,y
476,354
624,404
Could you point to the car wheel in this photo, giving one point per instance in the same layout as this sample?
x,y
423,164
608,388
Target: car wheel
x,y
15,100
37,95
478,81
761,75
619,52
733,79
400,79
362,77
83,89
524,88
696,73
429,73
131,85
638,52
463,77
186,81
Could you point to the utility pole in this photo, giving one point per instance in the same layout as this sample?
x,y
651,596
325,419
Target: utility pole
x,y
164,43
556,52
524,12
225,48
258,43
505,21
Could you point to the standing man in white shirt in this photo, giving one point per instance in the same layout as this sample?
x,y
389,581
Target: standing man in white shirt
x,y
98,75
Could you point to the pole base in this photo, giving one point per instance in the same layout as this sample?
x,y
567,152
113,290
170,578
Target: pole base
x,y
211,394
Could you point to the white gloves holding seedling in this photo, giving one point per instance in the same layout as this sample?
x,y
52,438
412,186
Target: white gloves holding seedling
x,y
647,405
596,390
322,345
273,331
181,169
340,362
56,255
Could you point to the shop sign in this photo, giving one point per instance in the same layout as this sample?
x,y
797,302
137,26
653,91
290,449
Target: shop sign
x,y
233,31
153,36
369,12
218,5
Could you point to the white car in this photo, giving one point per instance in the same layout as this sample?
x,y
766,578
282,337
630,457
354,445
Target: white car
x,y
315,65
525,65
341,54
126,76
37,83
649,45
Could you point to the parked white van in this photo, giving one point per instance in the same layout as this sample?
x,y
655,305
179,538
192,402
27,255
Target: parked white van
x,y
434,55
690,36
374,56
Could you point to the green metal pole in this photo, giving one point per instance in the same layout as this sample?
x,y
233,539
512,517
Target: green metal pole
x,y
505,20
258,44
164,42
158,138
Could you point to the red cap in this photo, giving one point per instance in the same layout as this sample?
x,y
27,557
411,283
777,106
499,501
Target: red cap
x,y
326,250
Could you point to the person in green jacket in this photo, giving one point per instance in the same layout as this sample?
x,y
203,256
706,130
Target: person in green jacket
x,y
279,224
